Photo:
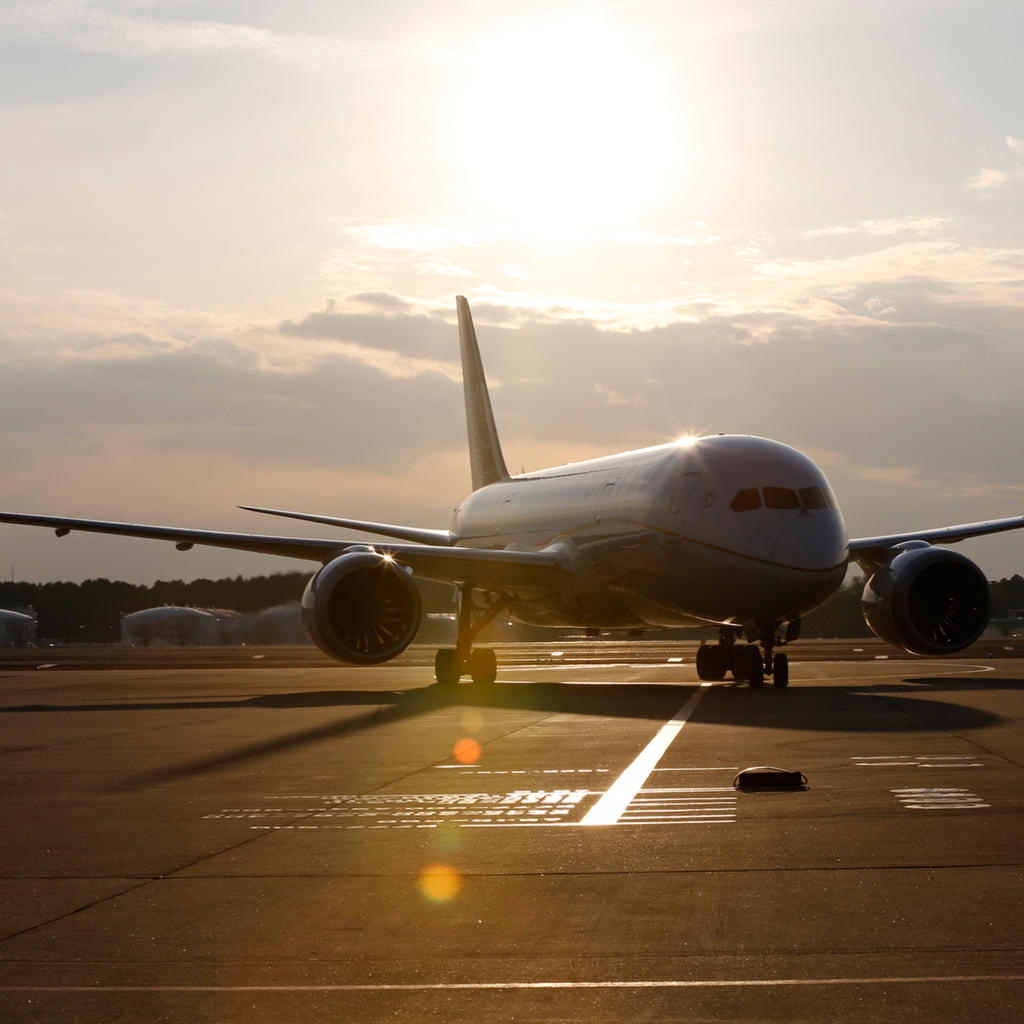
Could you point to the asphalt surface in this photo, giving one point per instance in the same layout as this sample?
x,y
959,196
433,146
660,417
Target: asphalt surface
x,y
275,844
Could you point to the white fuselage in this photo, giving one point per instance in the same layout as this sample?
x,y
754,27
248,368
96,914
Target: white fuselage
x,y
664,536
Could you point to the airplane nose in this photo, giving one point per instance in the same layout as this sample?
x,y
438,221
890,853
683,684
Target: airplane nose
x,y
808,545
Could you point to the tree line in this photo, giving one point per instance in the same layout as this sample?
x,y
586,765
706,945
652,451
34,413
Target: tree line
x,y
90,612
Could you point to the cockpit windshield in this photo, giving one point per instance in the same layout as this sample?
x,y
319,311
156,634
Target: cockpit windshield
x,y
810,499
747,500
780,497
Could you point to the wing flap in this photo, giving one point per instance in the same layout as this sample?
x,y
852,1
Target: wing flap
x,y
440,538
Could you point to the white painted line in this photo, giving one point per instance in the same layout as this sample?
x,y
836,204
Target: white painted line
x,y
693,789
486,985
609,808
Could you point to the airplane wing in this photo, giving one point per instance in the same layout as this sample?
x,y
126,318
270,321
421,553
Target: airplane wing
x,y
540,570
861,546
440,538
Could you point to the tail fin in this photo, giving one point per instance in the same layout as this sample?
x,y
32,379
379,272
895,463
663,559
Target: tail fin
x,y
485,456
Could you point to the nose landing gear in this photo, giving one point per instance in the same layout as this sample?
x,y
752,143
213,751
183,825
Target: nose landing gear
x,y
480,664
746,661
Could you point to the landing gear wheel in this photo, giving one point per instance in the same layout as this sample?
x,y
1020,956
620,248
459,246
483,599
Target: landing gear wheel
x,y
704,662
447,667
716,662
483,665
780,670
755,666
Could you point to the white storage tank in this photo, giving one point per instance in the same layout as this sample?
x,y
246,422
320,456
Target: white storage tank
x,y
16,628
170,624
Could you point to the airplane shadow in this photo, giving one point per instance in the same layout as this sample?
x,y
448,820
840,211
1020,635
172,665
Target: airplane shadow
x,y
840,708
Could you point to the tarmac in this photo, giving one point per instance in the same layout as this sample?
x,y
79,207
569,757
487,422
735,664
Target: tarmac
x,y
281,844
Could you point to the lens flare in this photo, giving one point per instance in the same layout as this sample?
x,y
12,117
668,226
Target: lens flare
x,y
467,750
472,721
439,882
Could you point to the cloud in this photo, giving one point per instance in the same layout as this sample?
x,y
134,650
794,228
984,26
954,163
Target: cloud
x,y
424,339
511,270
940,273
988,177
1017,145
891,226
365,403
378,300
80,26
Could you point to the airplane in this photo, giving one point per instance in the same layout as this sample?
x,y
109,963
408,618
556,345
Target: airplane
x,y
739,533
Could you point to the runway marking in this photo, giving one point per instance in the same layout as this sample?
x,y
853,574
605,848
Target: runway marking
x,y
915,761
471,769
521,808
497,985
610,807
426,810
938,799
664,807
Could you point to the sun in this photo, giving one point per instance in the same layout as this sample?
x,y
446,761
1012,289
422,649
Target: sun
x,y
560,122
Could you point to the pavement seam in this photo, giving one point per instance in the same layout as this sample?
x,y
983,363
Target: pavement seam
x,y
949,732
78,910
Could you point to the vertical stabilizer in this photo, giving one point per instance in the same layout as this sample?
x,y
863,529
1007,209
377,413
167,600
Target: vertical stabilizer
x,y
485,456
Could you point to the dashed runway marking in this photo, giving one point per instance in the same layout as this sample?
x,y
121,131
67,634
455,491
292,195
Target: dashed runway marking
x,y
415,810
938,799
913,761
521,808
470,769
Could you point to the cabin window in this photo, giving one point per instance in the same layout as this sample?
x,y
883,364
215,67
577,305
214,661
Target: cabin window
x,y
812,498
780,497
746,501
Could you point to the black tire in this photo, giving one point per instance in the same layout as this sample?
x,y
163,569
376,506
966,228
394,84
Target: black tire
x,y
718,662
738,661
780,670
704,661
483,666
755,666
447,667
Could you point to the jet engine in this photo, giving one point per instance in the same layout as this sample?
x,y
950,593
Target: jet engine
x,y
362,608
927,600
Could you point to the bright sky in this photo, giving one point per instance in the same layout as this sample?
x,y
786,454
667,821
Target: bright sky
x,y
231,233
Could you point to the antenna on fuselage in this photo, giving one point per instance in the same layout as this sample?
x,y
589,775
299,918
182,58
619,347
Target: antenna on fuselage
x,y
485,458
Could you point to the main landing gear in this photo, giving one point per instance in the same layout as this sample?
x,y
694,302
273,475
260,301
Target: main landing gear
x,y
745,661
452,663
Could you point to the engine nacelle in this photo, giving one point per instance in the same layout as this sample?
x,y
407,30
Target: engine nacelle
x,y
928,601
361,608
